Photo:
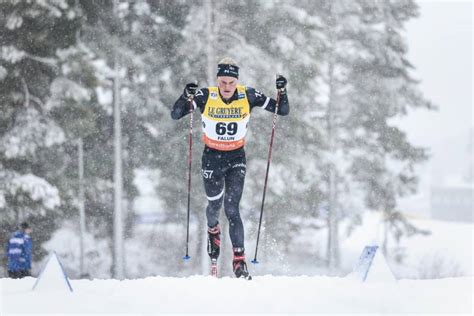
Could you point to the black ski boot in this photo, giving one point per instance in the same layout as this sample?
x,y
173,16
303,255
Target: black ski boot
x,y
239,265
214,246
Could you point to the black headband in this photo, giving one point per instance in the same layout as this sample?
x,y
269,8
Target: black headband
x,y
227,70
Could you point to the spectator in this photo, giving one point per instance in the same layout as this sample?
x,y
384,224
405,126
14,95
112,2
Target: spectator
x,y
19,249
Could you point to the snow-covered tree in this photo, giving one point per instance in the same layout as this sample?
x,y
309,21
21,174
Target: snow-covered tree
x,y
367,81
32,34
136,42
338,151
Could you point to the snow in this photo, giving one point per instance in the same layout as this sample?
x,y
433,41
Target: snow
x,y
446,252
147,202
11,54
380,294
30,132
264,294
37,188
63,88
14,22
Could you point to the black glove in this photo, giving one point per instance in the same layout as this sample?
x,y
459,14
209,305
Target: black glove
x,y
190,89
281,83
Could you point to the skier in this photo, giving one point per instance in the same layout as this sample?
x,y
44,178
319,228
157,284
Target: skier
x,y
19,248
225,112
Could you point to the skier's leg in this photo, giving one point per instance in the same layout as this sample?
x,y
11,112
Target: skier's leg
x,y
214,187
213,178
214,192
215,195
234,185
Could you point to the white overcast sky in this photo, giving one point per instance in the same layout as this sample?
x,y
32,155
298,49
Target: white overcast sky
x,y
440,47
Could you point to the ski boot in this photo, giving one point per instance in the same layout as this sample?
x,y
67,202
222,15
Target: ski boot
x,y
214,246
239,265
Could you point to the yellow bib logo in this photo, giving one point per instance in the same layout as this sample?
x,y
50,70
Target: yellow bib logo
x,y
225,125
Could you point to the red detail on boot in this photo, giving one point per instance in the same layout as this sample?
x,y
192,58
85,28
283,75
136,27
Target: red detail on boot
x,y
239,258
214,230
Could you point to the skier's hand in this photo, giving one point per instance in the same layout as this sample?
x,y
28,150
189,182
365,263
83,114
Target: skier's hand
x,y
281,83
190,89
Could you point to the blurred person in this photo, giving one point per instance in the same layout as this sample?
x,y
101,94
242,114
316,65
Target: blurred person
x,y
19,250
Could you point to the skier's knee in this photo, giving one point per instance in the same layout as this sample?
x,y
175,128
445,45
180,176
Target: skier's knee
x,y
232,214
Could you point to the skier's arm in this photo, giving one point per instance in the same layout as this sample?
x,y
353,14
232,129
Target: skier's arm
x,y
28,247
181,106
7,248
257,98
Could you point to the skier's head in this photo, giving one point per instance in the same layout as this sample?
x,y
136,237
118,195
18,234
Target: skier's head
x,y
227,77
25,227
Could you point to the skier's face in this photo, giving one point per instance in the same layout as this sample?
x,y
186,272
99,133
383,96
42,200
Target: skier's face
x,y
227,86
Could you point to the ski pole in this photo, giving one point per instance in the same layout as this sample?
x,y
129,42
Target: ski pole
x,y
254,261
190,160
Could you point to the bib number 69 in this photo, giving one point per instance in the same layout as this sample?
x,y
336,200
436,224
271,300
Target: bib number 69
x,y
229,129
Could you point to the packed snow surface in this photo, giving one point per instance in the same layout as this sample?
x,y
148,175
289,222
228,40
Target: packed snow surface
x,y
267,294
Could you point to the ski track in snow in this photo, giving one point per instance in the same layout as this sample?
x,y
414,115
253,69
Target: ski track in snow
x,y
264,294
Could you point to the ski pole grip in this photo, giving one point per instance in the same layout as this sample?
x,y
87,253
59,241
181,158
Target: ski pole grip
x,y
191,96
277,77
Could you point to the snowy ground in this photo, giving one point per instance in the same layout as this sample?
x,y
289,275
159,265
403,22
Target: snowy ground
x,y
447,251
266,294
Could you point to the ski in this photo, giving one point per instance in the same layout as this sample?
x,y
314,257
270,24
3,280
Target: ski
x,y
214,268
246,277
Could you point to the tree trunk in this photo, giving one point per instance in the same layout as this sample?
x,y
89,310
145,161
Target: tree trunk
x,y
333,240
82,216
118,180
210,29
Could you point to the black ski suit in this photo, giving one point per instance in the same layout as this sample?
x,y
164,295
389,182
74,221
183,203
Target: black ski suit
x,y
223,171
